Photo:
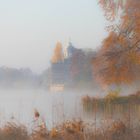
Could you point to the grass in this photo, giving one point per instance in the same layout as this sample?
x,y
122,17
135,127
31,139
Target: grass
x,y
125,128
72,130
112,103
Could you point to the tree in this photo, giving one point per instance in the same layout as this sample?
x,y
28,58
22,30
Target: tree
x,y
118,61
58,53
129,25
111,7
114,63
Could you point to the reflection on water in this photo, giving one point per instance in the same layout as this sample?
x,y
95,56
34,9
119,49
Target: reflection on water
x,y
53,107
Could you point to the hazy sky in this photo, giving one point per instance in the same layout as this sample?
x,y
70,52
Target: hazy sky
x,y
29,29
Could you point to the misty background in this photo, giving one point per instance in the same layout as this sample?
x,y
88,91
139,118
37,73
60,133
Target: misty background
x,y
32,32
29,30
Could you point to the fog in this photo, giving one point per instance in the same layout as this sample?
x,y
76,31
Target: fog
x,y
30,30
18,105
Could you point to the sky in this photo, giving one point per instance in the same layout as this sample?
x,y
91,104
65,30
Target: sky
x,y
30,29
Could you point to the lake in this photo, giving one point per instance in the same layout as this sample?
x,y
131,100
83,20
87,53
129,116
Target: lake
x,y
19,105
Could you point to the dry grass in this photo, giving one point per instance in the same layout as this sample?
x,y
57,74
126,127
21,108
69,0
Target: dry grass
x,y
112,103
77,129
71,130
12,131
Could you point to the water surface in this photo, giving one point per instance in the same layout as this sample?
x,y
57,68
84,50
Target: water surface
x,y
53,107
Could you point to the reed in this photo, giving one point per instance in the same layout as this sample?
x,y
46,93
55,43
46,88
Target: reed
x,y
72,130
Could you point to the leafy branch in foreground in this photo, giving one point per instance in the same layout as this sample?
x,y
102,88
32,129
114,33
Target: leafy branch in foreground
x,y
118,60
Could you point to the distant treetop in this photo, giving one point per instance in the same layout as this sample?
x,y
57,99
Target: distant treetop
x,y
58,53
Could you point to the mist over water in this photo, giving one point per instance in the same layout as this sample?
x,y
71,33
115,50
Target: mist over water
x,y
19,105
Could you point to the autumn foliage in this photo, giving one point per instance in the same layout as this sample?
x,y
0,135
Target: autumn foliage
x,y
118,60
58,53
111,7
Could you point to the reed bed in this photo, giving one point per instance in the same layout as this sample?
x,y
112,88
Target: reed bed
x,y
71,130
112,103
123,128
